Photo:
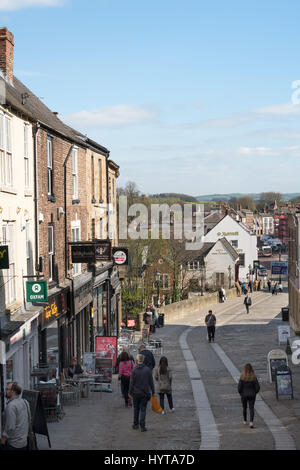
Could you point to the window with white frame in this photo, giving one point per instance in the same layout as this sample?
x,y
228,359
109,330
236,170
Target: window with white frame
x,y
193,265
51,251
76,237
6,166
165,281
75,173
26,156
9,277
50,166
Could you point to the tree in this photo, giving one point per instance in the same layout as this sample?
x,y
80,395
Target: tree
x,y
246,202
270,197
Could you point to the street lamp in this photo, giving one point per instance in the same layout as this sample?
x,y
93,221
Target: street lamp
x,y
229,276
157,280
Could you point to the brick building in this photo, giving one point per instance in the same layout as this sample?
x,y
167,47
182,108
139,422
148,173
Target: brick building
x,y
59,204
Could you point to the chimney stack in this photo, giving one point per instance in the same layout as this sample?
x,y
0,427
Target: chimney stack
x,y
7,54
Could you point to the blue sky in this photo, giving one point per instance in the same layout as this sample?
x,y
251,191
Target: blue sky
x,y
192,97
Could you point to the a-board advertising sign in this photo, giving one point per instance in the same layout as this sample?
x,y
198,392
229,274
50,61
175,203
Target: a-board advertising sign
x,y
36,291
103,368
279,268
276,358
283,382
107,346
39,422
284,332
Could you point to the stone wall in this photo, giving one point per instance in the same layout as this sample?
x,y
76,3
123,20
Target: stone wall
x,y
183,308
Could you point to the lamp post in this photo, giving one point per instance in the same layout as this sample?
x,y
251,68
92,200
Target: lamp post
x,y
229,276
157,281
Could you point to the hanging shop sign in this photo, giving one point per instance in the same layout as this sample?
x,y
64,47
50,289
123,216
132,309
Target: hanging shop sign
x,y
83,252
56,307
120,256
36,291
4,260
103,250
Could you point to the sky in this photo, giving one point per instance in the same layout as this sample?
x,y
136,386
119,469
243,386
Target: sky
x,y
196,97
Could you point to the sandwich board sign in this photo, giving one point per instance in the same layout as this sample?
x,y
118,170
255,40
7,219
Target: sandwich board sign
x,y
276,358
283,382
284,332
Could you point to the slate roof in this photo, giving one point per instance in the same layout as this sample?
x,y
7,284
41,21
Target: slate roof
x,y
23,100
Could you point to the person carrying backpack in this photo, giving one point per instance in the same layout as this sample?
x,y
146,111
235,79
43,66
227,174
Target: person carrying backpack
x,y
210,322
163,375
247,302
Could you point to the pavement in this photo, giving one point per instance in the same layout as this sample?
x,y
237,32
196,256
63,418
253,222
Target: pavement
x,y
208,413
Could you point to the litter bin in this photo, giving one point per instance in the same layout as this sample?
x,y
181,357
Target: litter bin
x,y
285,313
161,319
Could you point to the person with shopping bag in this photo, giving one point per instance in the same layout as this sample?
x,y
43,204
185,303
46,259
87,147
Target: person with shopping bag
x,y
163,375
141,387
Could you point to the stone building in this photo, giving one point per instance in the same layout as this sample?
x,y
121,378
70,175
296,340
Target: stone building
x,y
294,270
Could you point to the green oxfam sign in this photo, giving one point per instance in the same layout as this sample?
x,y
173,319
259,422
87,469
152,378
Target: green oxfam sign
x,y
36,291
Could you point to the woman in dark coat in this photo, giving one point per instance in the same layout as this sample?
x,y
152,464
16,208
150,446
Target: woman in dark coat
x,y
248,387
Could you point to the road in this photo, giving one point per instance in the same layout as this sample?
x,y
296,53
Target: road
x,y
208,412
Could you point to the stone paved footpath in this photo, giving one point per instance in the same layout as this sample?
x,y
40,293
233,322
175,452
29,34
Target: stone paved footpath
x,y
208,411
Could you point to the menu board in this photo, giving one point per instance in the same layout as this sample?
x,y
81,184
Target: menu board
x,y
106,346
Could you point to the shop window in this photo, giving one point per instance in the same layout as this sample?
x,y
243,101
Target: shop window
x,y
9,370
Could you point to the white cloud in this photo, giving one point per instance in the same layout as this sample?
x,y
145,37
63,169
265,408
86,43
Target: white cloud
x,y
111,116
259,151
9,5
284,109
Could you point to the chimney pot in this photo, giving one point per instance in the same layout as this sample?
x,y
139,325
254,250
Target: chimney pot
x,y
7,54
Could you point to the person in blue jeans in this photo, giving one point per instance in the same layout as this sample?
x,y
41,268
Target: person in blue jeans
x,y
140,389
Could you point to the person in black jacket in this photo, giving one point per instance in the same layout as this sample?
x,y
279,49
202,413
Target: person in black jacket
x,y
74,368
141,387
248,387
149,358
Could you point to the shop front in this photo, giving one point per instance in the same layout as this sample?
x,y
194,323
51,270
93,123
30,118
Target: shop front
x,y
82,331
54,330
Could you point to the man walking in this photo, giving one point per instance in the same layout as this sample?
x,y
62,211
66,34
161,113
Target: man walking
x,y
148,357
16,419
210,322
140,388
247,303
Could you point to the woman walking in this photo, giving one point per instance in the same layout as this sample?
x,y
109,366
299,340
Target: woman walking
x,y
163,375
126,366
248,387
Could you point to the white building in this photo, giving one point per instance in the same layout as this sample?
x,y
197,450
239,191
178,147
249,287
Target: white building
x,y
213,266
18,320
241,239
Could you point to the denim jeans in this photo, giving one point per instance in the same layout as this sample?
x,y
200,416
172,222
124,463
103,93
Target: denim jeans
x,y
162,400
139,410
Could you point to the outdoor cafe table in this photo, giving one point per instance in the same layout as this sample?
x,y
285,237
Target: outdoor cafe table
x,y
82,382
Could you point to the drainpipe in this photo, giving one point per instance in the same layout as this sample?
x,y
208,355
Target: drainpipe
x,y
36,215
107,195
66,225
